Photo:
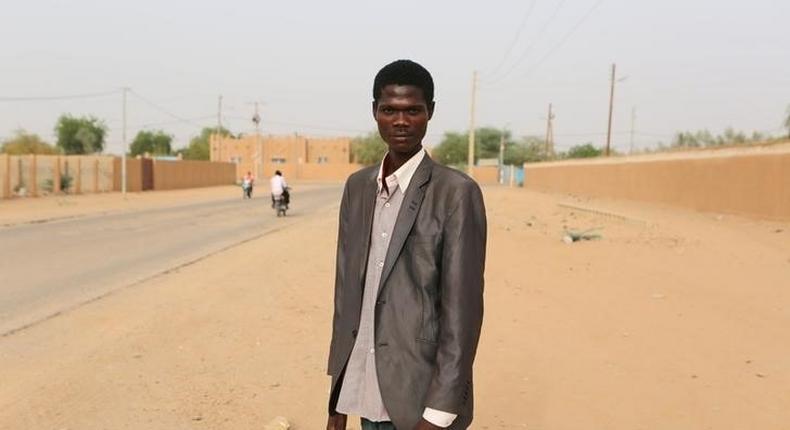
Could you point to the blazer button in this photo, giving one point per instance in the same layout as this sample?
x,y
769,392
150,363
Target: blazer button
x,y
354,333
381,302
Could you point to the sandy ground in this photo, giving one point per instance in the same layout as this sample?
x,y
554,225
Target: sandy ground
x,y
672,320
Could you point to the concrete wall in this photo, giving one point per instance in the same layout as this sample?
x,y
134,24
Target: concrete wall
x,y
5,176
37,175
326,172
486,175
257,154
134,174
171,175
753,184
328,150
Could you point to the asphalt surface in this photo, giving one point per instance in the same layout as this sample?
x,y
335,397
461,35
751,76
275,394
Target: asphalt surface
x,y
49,268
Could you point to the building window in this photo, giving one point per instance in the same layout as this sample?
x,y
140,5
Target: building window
x,y
323,160
278,160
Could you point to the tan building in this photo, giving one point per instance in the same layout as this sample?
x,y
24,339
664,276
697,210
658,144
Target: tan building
x,y
298,157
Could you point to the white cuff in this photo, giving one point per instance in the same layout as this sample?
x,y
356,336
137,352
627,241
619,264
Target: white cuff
x,y
438,418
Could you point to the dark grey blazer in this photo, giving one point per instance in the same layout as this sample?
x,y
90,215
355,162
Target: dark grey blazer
x,y
430,302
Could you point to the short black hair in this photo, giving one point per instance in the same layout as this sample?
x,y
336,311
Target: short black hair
x,y
278,173
404,72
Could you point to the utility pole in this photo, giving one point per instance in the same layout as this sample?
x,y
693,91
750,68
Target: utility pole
x,y
611,106
549,134
258,149
633,120
471,156
502,157
123,142
219,129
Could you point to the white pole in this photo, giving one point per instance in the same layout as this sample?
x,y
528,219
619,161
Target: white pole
x,y
258,149
124,150
471,156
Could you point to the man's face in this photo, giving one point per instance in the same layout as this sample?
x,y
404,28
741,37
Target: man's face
x,y
402,115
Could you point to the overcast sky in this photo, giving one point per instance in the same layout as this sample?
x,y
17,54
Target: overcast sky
x,y
687,64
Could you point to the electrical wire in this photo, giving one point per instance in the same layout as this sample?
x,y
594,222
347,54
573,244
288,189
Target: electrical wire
x,y
529,47
307,126
54,98
564,39
554,48
515,39
160,124
163,110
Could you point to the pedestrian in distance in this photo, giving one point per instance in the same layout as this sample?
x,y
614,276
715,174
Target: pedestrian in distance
x,y
247,183
409,275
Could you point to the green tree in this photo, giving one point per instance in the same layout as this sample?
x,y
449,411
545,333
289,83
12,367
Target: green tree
x,y
588,150
198,148
454,147
704,138
487,141
26,143
528,150
83,135
151,142
368,149
452,150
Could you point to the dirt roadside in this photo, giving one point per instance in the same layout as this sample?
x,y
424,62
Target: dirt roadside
x,y
672,320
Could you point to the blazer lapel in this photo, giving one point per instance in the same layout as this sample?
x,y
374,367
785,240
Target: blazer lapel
x,y
406,216
368,206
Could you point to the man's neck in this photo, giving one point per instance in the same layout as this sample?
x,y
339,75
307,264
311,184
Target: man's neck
x,y
393,161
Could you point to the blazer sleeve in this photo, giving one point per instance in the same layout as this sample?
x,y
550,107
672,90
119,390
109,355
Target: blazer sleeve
x,y
340,271
461,309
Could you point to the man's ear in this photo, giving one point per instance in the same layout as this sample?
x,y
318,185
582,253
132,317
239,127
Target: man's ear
x,y
431,107
375,105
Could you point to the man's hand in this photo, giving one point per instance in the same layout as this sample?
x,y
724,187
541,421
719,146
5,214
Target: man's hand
x,y
426,425
336,422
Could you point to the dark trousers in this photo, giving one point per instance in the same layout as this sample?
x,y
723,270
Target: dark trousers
x,y
370,425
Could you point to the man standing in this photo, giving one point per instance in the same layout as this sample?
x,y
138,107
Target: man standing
x,y
409,280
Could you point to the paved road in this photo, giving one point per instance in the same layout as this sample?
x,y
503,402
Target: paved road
x,y
48,268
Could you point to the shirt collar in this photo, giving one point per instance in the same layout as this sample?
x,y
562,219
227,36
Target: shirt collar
x,y
403,175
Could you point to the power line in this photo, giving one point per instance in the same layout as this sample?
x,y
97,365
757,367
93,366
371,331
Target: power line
x,y
308,126
554,48
564,39
160,124
515,39
62,97
526,52
163,110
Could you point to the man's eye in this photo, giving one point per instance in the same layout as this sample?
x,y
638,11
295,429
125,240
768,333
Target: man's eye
x,y
414,111
387,110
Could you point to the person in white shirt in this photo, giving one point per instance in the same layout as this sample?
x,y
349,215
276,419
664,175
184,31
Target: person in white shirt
x,y
279,188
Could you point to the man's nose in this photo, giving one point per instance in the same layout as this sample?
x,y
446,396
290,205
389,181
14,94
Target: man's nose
x,y
400,119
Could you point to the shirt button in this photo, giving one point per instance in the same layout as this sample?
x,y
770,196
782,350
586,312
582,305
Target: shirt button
x,y
384,235
371,350
380,264
386,205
